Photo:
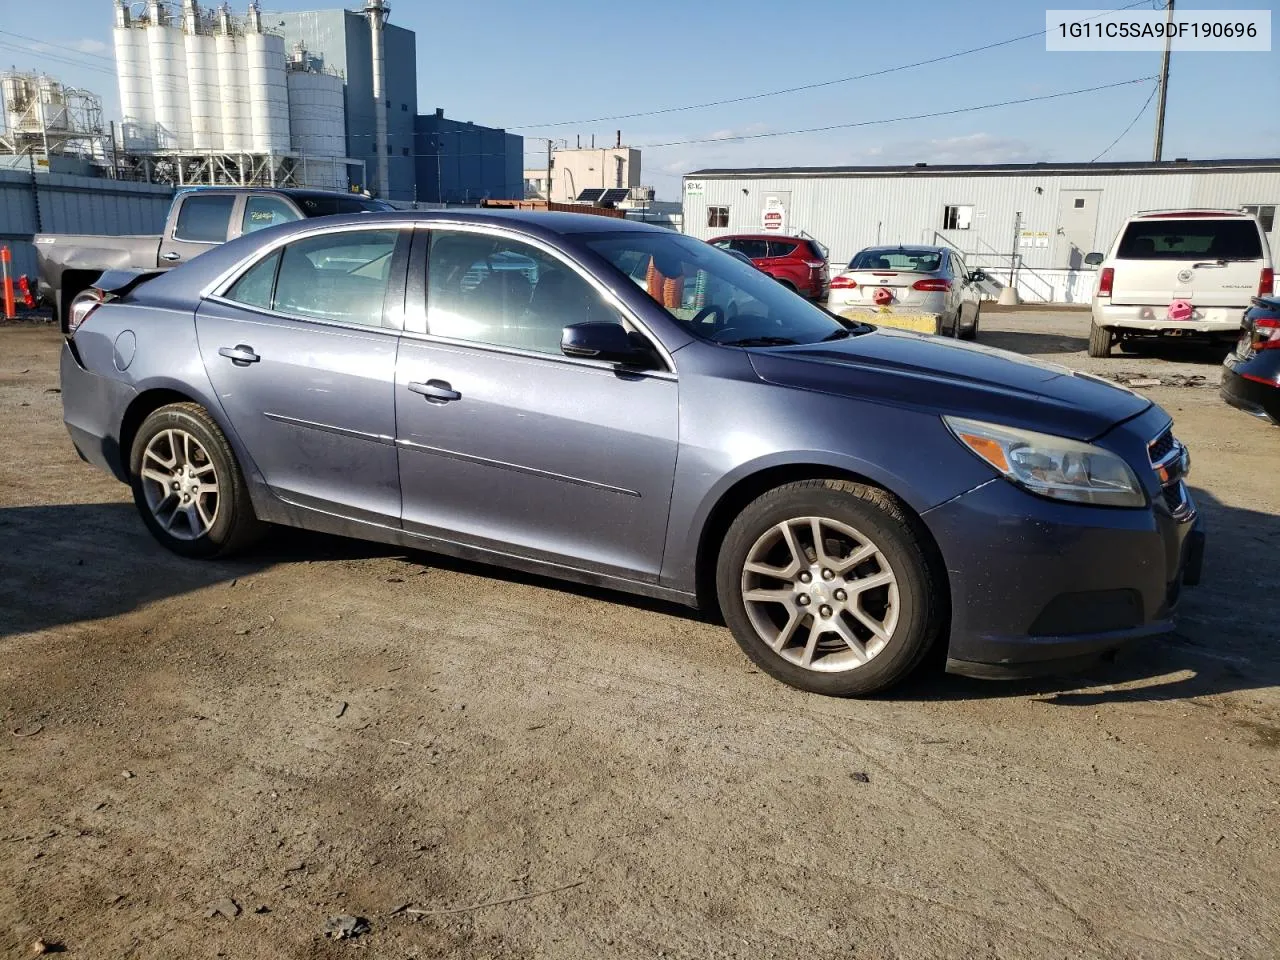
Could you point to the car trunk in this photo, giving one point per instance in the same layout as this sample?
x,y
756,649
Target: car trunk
x,y
1211,263
898,284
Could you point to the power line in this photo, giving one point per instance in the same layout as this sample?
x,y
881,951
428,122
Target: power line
x,y
64,46
1146,103
56,58
917,116
809,86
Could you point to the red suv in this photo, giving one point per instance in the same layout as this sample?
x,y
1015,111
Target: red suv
x,y
795,262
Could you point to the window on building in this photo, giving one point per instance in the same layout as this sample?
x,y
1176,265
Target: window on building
x,y
204,218
388,103
717,216
1079,203
505,293
957,216
1266,214
390,148
405,151
404,108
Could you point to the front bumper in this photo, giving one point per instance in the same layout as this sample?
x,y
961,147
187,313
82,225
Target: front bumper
x,y
93,408
1252,396
1039,586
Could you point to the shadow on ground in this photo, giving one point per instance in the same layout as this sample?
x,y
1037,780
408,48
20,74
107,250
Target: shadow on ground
x,y
68,564
1032,343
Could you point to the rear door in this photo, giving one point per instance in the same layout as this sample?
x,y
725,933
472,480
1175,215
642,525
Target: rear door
x,y
1210,261
201,221
301,351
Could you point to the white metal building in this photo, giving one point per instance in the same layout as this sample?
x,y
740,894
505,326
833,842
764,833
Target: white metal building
x,y
1048,215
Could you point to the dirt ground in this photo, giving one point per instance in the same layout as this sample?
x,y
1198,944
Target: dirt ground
x,y
334,728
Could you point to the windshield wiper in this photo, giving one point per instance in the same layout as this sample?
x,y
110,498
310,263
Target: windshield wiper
x,y
760,342
836,335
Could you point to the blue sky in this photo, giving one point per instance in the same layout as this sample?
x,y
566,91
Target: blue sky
x,y
512,64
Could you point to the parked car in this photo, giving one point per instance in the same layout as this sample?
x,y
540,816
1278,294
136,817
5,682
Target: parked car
x,y
926,289
637,410
199,219
797,263
1251,380
1178,273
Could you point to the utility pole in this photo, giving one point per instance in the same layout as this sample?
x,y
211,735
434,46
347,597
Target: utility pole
x,y
1164,85
549,143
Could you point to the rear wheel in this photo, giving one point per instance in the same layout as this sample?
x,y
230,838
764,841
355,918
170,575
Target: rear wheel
x,y
827,586
188,486
1099,340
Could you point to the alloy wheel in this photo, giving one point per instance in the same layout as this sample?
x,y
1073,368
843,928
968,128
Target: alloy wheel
x,y
820,594
180,483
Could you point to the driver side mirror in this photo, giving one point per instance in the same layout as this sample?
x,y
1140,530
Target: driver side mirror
x,y
978,276
1093,259
605,340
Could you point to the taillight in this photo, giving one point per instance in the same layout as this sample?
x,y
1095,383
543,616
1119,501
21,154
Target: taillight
x,y
1106,280
82,308
1266,333
933,285
843,283
1266,282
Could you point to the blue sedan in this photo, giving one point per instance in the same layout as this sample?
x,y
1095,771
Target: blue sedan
x,y
617,404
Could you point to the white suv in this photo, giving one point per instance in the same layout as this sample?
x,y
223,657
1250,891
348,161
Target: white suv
x,y
1179,273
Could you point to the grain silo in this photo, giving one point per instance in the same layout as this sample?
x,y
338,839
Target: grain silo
x,y
269,96
237,136
202,80
317,117
133,70
167,59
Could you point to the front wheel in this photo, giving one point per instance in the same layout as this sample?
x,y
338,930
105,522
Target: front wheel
x,y
188,486
972,332
828,586
1099,340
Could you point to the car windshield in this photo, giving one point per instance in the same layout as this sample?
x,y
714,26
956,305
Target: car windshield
x,y
908,261
714,295
329,206
1234,239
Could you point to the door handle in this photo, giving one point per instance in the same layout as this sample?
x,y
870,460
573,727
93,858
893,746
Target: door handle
x,y
171,255
241,354
436,391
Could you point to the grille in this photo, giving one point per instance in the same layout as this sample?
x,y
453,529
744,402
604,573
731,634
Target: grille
x,y
1161,446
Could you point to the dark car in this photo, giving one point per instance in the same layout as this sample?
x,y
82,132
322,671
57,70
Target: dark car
x,y
621,405
798,263
1251,378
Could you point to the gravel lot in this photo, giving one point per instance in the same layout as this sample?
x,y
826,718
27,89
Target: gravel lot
x,y
334,728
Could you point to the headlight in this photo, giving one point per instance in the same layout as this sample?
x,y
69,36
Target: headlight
x,y
1052,466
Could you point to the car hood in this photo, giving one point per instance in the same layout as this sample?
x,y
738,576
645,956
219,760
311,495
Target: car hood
x,y
955,378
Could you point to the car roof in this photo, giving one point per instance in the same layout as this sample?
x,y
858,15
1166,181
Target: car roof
x,y
1190,215
758,236
902,248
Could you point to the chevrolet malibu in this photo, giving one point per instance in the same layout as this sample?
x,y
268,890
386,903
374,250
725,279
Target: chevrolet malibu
x,y
620,405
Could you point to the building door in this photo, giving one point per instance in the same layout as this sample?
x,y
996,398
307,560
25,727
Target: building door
x,y
1077,224
776,213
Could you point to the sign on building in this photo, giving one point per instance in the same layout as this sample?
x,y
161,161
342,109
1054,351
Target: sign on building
x,y
774,218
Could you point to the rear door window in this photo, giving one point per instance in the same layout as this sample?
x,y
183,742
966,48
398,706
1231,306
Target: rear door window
x,y
1190,240
263,212
204,219
755,249
781,248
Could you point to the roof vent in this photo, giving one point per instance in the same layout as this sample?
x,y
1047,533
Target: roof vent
x,y
1180,160
921,164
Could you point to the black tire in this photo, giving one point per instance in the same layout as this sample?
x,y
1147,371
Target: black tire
x,y
234,526
1099,340
881,519
972,332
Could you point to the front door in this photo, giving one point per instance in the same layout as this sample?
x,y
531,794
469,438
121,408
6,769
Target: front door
x,y
509,445
1077,224
301,354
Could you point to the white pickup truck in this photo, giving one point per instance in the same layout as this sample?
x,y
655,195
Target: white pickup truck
x,y
199,219
1179,273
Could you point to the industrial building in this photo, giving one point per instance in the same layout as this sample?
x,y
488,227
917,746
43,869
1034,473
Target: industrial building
x,y
575,169
1040,218
461,162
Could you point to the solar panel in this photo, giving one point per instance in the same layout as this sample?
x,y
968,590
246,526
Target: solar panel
x,y
615,195
591,194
